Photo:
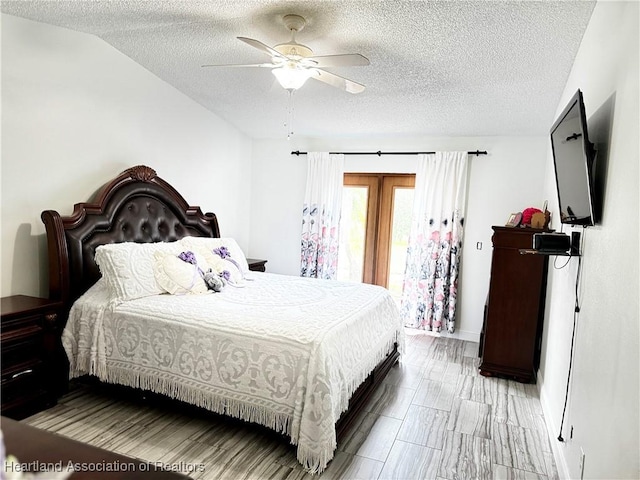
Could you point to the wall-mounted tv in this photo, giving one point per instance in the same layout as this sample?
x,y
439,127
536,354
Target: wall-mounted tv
x,y
573,158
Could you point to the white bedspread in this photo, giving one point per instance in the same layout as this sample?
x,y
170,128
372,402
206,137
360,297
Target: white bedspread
x,y
285,352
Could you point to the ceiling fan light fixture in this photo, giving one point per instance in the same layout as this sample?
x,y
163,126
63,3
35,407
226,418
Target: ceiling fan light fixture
x,y
292,63
290,77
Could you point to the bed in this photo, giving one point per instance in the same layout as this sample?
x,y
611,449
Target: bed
x,y
300,356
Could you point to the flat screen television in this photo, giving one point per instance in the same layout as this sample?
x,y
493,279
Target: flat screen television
x,y
573,159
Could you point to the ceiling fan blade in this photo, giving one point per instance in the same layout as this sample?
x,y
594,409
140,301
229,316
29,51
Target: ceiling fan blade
x,y
338,81
262,47
344,60
264,65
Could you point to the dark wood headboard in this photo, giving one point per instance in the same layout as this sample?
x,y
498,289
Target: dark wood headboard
x,y
136,206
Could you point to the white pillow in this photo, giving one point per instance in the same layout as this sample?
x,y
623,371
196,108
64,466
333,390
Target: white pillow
x,y
209,244
178,277
128,268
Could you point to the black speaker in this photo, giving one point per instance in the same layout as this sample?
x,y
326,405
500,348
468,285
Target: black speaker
x,y
575,243
551,242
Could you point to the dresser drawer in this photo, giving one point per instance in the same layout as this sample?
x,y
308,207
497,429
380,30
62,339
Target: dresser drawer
x,y
514,237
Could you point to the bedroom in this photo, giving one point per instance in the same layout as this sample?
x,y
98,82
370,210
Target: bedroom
x,y
76,112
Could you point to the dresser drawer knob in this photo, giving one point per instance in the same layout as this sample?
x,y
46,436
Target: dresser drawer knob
x,y
24,372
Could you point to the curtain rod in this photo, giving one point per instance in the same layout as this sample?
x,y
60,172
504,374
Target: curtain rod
x,y
379,153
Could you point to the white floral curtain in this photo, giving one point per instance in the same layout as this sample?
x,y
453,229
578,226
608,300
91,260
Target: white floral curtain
x,y
321,215
430,287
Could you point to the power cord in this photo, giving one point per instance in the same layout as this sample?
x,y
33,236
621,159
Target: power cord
x,y
555,260
576,311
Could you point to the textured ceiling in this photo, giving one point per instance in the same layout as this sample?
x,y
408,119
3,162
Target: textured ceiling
x,y
441,68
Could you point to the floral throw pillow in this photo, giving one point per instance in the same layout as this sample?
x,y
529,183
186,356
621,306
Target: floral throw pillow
x,y
234,252
180,274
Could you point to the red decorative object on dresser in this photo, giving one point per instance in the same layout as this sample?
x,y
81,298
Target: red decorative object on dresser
x,y
514,312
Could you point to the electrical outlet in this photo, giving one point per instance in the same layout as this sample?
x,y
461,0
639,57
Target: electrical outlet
x,y
581,463
479,245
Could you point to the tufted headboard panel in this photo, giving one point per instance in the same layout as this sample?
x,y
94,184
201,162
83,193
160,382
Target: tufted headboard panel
x,y
137,206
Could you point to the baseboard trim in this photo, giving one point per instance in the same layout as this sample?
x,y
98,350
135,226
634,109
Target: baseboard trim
x,y
466,335
552,429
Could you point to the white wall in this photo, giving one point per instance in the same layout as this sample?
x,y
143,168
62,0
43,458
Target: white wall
x,y
75,113
604,400
509,179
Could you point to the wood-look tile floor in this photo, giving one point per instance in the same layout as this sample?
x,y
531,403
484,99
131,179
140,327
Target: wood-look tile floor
x,y
433,418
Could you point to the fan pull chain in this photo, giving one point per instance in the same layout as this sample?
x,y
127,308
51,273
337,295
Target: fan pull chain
x,y
289,121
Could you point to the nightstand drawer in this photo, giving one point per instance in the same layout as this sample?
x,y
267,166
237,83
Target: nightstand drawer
x,y
20,373
27,404
25,379
21,346
10,324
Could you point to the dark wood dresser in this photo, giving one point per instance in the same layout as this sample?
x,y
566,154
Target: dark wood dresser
x,y
29,342
514,312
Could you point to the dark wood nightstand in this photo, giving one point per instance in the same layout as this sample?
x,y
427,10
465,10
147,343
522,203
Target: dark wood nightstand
x,y
256,265
29,339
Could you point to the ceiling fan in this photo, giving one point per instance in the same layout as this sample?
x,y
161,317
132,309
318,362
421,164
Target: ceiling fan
x,y
293,63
